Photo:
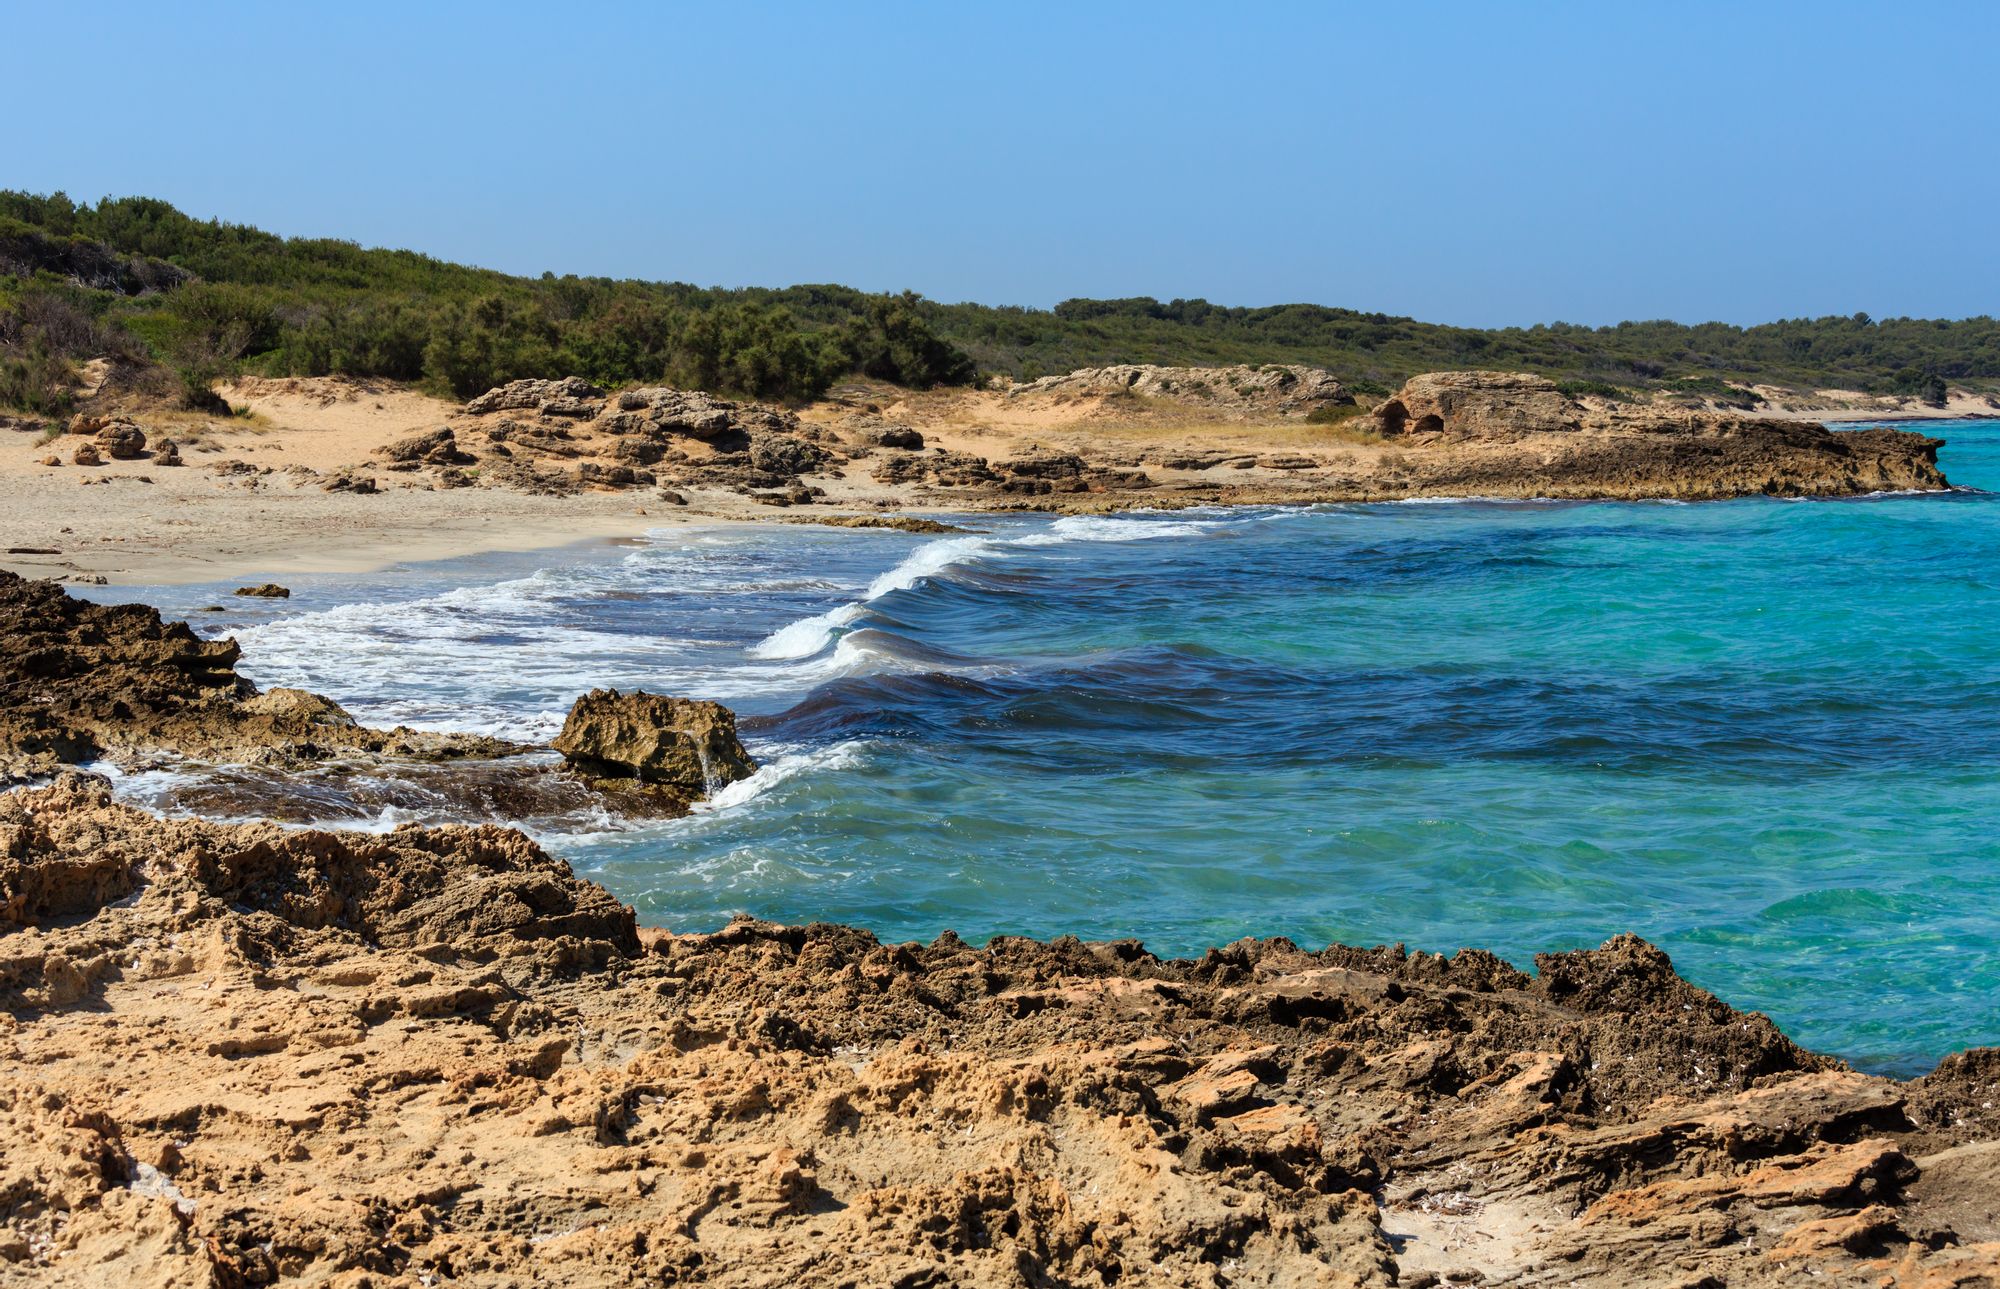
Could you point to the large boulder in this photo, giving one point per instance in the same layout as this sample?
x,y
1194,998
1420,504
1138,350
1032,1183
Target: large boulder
x,y
686,747
121,440
785,455
1476,405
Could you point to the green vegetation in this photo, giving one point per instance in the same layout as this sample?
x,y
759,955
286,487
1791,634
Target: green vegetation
x,y
135,279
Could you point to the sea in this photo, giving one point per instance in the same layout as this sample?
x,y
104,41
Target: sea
x,y
1763,734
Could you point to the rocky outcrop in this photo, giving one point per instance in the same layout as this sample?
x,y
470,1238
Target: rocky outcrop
x,y
1476,404
265,591
80,681
1514,435
684,747
669,412
565,395
435,447
640,438
1265,388
235,1054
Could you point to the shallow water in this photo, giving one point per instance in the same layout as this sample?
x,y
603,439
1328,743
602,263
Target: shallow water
x,y
1759,733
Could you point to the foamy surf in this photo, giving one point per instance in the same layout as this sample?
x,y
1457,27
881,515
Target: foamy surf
x,y
809,637
780,768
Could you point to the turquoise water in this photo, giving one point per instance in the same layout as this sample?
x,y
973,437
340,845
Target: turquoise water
x,y
1759,733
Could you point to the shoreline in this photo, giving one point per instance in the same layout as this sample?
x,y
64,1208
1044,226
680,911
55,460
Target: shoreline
x,y
530,1084
322,476
231,1046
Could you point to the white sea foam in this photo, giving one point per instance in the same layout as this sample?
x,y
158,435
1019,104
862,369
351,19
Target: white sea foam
x,y
777,769
809,637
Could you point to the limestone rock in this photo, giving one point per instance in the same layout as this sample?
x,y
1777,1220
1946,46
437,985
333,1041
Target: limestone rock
x,y
81,680
121,440
166,452
1269,388
785,456
685,746
434,447
893,436
535,395
241,1054
350,480
87,454
1476,405
266,590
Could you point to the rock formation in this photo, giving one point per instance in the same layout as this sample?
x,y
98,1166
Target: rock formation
x,y
80,681
1268,387
435,447
642,437
1509,434
121,441
533,395
1477,404
238,1055
683,747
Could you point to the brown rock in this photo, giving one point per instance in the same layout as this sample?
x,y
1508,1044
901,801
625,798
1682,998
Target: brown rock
x,y
685,746
434,447
266,590
122,440
1477,404
87,454
82,680
166,452
533,395
1268,388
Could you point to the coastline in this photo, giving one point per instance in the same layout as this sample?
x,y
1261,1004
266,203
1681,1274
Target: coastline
x,y
446,1034
326,476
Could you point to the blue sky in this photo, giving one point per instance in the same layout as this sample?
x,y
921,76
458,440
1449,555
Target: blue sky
x,y
1485,164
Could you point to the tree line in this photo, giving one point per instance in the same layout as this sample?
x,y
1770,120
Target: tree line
x,y
136,279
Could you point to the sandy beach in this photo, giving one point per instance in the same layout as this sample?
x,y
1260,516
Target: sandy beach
x,y
258,493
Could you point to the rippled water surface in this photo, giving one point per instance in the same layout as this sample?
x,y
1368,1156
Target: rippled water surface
x,y
1760,733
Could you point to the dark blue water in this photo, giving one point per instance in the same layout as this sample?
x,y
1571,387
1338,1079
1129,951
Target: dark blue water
x,y
1760,733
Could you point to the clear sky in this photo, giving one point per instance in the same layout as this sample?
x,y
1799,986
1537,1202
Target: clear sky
x,y
1477,163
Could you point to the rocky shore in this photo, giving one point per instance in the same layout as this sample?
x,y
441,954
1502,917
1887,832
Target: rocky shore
x,y
242,1054
1447,433
322,473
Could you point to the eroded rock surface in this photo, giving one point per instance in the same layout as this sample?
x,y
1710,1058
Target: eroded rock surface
x,y
1517,434
1268,387
235,1054
80,680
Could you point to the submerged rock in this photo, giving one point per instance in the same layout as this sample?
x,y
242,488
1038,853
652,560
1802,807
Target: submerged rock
x,y
265,591
687,747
